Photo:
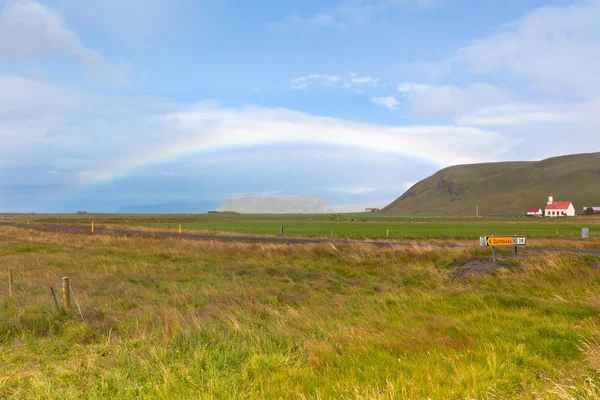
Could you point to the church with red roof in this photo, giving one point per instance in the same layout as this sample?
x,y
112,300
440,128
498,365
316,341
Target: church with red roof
x,y
559,208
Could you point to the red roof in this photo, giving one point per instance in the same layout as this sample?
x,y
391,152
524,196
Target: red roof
x,y
534,209
558,205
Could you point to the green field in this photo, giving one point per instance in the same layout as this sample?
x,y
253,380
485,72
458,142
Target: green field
x,y
339,322
362,225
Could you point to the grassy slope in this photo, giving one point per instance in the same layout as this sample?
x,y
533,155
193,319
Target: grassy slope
x,y
504,188
329,322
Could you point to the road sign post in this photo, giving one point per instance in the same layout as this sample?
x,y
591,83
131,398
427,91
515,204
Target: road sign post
x,y
502,241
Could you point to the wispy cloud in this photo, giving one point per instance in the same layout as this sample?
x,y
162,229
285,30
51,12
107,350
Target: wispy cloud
x,y
513,114
389,101
352,12
356,190
354,81
556,49
304,82
450,100
29,29
350,81
544,68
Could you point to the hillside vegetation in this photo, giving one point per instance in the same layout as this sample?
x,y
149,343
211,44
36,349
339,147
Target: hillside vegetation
x,y
506,188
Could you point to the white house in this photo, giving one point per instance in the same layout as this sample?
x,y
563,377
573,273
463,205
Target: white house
x,y
535,212
559,208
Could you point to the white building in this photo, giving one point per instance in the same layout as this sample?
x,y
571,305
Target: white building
x,y
559,208
595,209
535,212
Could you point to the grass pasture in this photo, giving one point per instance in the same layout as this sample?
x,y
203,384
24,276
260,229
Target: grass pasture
x,y
341,226
352,322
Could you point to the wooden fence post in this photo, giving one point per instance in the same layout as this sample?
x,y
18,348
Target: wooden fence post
x,y
54,297
10,282
66,288
281,231
92,226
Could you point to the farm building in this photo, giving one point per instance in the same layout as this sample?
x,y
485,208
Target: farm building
x,y
559,208
596,209
372,209
535,212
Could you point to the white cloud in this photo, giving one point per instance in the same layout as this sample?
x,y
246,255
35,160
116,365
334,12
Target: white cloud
x,y
356,190
351,81
449,100
525,114
547,62
123,18
362,80
388,101
356,82
304,82
28,29
557,49
49,125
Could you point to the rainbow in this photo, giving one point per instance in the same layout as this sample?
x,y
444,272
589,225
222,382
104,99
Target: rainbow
x,y
205,131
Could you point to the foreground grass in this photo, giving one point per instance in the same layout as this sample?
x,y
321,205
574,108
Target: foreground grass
x,y
345,322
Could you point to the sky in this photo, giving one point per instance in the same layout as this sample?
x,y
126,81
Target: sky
x,y
112,103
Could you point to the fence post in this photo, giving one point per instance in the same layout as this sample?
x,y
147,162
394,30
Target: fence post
x,y
66,288
54,297
179,229
92,226
10,282
281,231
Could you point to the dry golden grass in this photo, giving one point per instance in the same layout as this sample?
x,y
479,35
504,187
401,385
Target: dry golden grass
x,y
330,320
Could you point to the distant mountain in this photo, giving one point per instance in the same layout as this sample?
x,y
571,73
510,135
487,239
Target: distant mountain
x,y
504,188
276,204
171,208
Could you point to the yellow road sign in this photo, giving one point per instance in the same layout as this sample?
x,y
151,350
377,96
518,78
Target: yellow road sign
x,y
506,241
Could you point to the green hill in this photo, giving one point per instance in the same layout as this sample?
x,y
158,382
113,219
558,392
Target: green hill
x,y
505,188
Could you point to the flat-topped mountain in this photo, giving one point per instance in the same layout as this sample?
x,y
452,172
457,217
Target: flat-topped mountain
x,y
275,204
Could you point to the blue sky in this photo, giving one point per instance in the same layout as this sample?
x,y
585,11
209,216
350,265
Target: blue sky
x,y
112,103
